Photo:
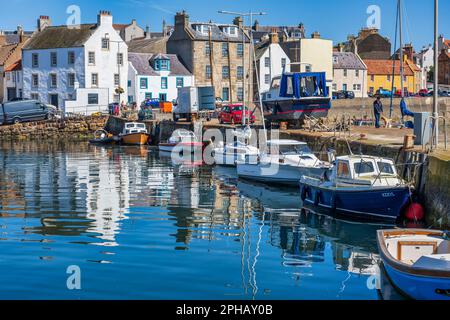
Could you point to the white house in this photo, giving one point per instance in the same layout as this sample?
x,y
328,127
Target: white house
x,y
13,81
349,73
271,60
156,76
77,68
425,60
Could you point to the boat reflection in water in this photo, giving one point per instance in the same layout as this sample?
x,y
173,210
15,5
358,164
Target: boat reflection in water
x,y
166,226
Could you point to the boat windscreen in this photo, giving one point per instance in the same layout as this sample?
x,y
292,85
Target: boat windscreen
x,y
293,149
385,167
364,167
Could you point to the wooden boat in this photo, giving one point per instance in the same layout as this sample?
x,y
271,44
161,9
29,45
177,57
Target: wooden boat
x,y
103,137
134,133
285,163
363,187
183,141
417,262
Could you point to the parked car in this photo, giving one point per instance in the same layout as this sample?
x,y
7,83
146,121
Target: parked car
x,y
26,110
233,114
338,95
383,93
440,93
349,94
423,92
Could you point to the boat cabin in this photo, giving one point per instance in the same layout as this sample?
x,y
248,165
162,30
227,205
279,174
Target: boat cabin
x,y
288,147
365,170
182,135
134,127
303,85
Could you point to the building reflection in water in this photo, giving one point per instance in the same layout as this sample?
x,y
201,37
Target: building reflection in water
x,y
80,190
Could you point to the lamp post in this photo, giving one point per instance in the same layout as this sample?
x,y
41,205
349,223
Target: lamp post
x,y
435,140
242,15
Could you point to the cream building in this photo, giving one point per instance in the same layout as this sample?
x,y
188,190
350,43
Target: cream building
x,y
349,74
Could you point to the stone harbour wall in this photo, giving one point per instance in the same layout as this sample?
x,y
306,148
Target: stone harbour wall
x,y
82,127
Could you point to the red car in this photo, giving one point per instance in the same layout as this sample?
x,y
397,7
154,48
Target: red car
x,y
233,114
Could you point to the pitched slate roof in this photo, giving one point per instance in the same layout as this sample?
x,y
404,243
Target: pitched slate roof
x,y
142,62
61,37
261,48
384,67
216,33
347,60
143,45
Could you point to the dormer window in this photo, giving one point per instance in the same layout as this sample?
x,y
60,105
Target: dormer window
x,y
162,64
202,28
230,31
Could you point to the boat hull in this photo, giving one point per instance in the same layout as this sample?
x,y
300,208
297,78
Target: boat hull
x,y
418,287
384,204
284,174
230,159
136,139
297,109
182,147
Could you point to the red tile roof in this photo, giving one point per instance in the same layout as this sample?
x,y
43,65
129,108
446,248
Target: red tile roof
x,y
384,67
15,66
119,26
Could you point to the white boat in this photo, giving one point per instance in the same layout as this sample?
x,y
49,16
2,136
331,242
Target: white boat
x,y
417,262
285,162
232,153
181,140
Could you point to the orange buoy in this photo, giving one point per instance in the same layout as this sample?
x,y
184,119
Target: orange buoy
x,y
415,212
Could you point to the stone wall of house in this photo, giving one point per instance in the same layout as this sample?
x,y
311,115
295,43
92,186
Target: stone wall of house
x,y
71,128
201,60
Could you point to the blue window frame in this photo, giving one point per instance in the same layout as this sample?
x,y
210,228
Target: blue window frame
x,y
162,65
144,83
162,97
163,82
180,82
148,95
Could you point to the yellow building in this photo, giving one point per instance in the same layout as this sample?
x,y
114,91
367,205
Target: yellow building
x,y
379,76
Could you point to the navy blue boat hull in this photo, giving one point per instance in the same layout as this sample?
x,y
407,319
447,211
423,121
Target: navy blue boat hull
x,y
380,204
295,109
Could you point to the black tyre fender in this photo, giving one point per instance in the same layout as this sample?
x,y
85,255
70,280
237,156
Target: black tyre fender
x,y
333,202
303,193
317,197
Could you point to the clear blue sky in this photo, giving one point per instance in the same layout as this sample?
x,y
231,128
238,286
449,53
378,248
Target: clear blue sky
x,y
332,18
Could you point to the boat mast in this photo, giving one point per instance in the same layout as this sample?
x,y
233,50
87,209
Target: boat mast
x,y
391,107
401,48
435,141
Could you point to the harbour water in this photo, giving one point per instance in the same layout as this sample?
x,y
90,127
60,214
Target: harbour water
x,y
139,226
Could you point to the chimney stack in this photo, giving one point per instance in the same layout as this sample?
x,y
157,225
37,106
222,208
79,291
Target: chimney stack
x,y
273,36
238,22
104,18
147,32
43,22
181,20
20,33
256,25
315,35
409,51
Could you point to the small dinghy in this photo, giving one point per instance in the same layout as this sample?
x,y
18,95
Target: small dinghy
x,y
103,137
417,262
183,141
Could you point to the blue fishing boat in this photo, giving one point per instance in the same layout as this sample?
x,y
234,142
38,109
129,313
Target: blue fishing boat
x,y
417,262
363,187
296,95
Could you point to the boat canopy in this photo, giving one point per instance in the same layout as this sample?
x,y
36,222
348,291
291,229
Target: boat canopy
x,y
303,85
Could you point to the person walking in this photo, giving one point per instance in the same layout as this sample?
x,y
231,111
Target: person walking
x,y
377,110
